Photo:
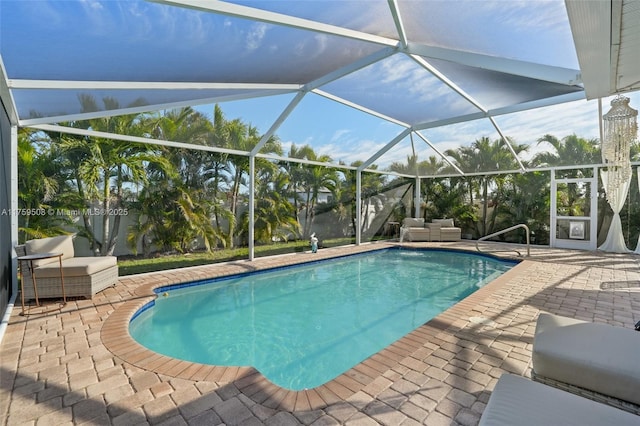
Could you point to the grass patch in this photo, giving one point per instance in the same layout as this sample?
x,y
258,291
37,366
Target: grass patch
x,y
139,265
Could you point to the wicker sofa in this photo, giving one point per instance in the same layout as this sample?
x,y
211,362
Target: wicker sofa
x,y
413,229
83,276
448,230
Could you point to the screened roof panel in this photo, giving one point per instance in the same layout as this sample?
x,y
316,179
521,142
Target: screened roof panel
x,y
526,30
76,40
493,89
60,103
375,18
402,89
341,132
421,64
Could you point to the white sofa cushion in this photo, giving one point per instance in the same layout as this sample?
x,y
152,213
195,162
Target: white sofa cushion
x,y
60,244
594,356
519,401
445,223
412,222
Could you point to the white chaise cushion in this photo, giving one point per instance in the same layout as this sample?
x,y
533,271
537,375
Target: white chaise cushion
x,y
60,244
77,266
519,401
594,356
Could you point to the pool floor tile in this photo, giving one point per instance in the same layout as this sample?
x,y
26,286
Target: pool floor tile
x,y
79,365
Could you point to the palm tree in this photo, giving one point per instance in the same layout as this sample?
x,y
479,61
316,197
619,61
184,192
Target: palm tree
x,y
188,203
570,150
39,183
101,167
309,180
243,137
371,189
481,156
432,166
526,199
275,214
408,168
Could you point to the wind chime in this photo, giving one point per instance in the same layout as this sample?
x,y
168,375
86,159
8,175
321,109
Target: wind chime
x,y
620,129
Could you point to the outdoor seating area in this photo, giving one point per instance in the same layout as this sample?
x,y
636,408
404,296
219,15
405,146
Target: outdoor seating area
x,y
83,276
416,229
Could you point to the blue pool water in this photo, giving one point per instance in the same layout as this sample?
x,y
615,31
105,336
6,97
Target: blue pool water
x,y
302,326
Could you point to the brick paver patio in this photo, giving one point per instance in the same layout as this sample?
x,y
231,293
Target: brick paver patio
x,y
78,366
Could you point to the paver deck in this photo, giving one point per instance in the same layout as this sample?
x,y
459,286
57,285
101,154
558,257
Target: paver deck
x,y
79,366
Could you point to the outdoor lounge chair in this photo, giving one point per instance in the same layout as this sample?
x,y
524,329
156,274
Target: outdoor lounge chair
x,y
516,400
83,276
594,360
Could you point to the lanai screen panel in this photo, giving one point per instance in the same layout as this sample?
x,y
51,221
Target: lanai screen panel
x,y
535,31
494,89
400,88
38,104
424,64
142,41
370,16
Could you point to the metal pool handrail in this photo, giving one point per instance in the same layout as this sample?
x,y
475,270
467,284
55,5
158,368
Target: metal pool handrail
x,y
495,234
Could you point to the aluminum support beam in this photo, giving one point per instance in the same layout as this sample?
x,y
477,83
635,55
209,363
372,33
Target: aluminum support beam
x,y
444,157
153,107
252,205
358,208
283,116
506,141
397,19
566,76
239,11
416,206
384,149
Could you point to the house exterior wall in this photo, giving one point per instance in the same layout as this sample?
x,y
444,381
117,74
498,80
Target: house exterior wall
x,y
6,251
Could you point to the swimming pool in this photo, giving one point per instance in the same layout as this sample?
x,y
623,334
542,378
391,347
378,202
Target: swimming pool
x,y
302,326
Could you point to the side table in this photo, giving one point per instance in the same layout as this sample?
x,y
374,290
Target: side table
x,y
29,261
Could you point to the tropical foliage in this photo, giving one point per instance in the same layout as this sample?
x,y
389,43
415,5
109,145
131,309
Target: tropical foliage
x,y
191,193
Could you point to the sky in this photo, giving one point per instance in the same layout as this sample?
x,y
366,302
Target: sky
x,y
152,42
349,135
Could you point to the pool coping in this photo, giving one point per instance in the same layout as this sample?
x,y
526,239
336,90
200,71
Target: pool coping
x,y
250,382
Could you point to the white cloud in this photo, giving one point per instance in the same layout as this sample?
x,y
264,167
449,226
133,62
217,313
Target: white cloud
x,y
256,35
340,134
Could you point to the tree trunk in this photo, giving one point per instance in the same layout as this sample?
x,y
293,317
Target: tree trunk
x,y
94,245
234,201
485,205
104,214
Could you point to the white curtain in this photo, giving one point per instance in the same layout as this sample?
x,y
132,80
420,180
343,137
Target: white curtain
x,y
615,238
638,246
